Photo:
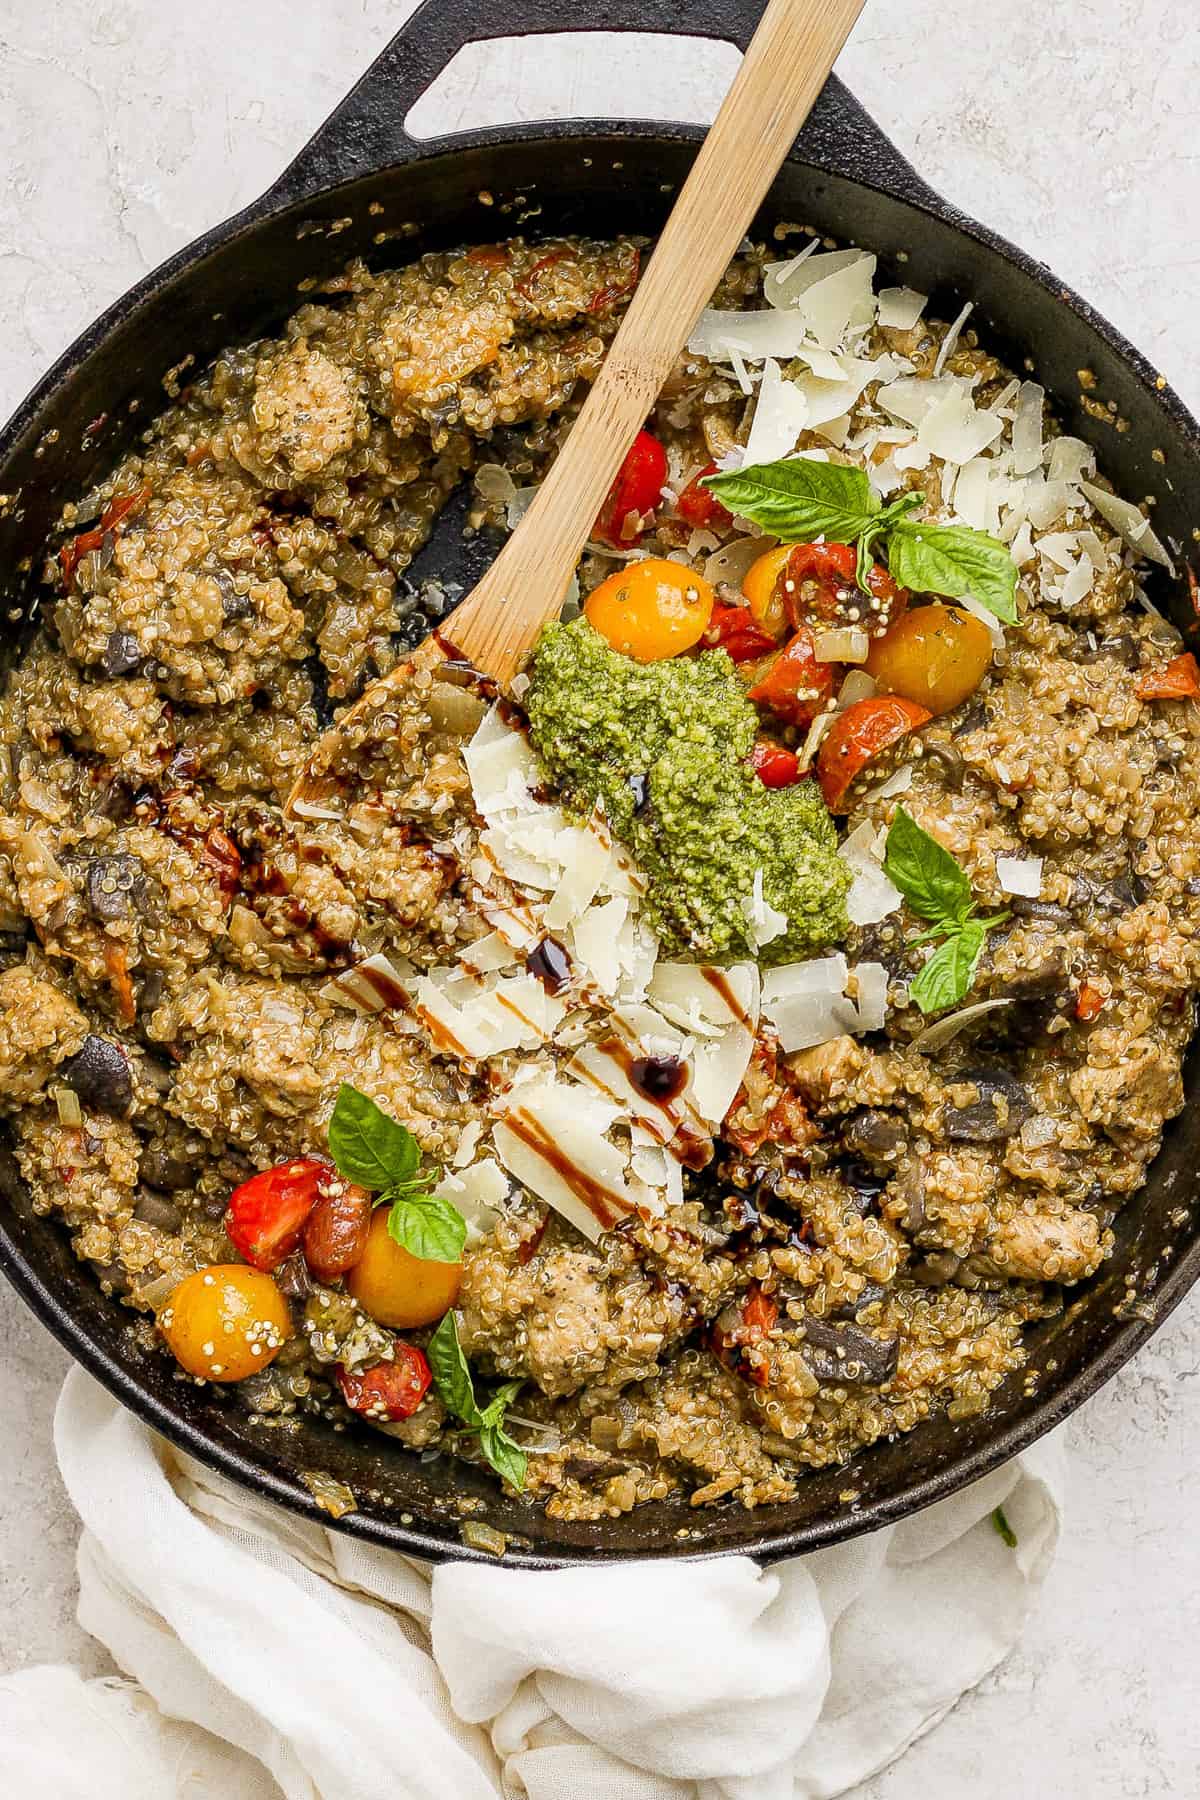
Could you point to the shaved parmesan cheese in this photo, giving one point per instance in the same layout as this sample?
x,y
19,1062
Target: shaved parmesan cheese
x,y
956,429
487,955
836,294
935,1036
1027,428
845,644
467,1144
1130,521
900,308
764,922
872,895
378,984
753,335
806,1002
503,766
1020,875
581,881
911,397
1070,459
974,502
478,1192
594,940
950,341
703,999
477,1019
779,287
551,1135
870,993
1059,546
779,417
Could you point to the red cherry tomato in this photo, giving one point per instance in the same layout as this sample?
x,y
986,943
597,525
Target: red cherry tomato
x,y
796,687
267,1214
390,1390
700,506
818,584
634,496
774,766
733,629
759,1315
858,735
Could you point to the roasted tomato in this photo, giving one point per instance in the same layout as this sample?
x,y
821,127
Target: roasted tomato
x,y
652,609
397,1288
335,1232
796,687
814,584
700,507
225,1322
857,736
1177,680
774,766
267,1214
760,584
935,655
389,1390
634,496
733,629
1089,1003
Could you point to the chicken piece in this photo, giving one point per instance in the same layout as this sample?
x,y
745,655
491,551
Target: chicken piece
x,y
1067,1246
1140,1088
826,1071
306,410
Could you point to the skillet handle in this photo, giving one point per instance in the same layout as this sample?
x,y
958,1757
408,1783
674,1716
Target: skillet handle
x,y
367,131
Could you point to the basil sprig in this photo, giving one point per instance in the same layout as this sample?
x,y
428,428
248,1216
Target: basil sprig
x,y
456,1389
799,499
937,890
378,1153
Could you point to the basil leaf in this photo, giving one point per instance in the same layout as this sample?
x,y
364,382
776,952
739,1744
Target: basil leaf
x,y
428,1227
926,874
948,974
954,560
799,499
507,1458
368,1147
452,1374
456,1390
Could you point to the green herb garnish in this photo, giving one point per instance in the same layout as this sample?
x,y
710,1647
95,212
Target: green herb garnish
x,y
937,890
1004,1528
456,1389
799,499
378,1153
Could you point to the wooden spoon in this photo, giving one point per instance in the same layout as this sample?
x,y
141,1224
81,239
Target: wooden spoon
x,y
783,71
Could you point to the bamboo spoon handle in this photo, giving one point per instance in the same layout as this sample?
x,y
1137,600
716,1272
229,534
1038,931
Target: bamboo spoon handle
x,y
783,71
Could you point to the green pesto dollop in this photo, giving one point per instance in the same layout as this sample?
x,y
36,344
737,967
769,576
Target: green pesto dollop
x,y
676,737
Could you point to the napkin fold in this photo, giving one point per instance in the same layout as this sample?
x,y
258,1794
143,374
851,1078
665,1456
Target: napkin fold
x,y
270,1656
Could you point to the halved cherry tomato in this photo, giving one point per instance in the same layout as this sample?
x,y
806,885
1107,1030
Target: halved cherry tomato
x,y
267,1214
935,655
335,1232
700,506
858,735
774,766
111,519
818,583
651,609
557,255
397,1288
225,1322
1177,680
389,1390
796,687
634,496
1089,1003
733,630
760,586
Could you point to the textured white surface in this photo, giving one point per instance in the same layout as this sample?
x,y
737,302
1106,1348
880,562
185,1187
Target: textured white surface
x,y
126,126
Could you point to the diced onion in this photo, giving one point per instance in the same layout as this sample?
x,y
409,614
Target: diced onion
x,y
857,686
844,644
66,1101
943,1030
731,562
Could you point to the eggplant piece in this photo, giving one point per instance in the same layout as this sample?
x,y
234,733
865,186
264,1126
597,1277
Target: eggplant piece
x,y
985,1122
847,1355
121,655
100,1074
115,887
874,1136
158,1210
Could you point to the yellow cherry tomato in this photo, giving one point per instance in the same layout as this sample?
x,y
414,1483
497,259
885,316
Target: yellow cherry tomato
x,y
225,1322
396,1287
759,584
651,609
935,655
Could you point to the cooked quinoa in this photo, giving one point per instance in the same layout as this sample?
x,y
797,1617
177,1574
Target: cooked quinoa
x,y
875,1225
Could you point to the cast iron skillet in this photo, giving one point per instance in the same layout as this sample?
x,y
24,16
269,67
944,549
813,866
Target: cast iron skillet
x,y
364,187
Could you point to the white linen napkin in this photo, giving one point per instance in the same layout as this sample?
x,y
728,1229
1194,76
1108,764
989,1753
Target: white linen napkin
x,y
269,1656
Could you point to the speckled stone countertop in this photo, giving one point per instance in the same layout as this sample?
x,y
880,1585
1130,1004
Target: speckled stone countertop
x,y
127,126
